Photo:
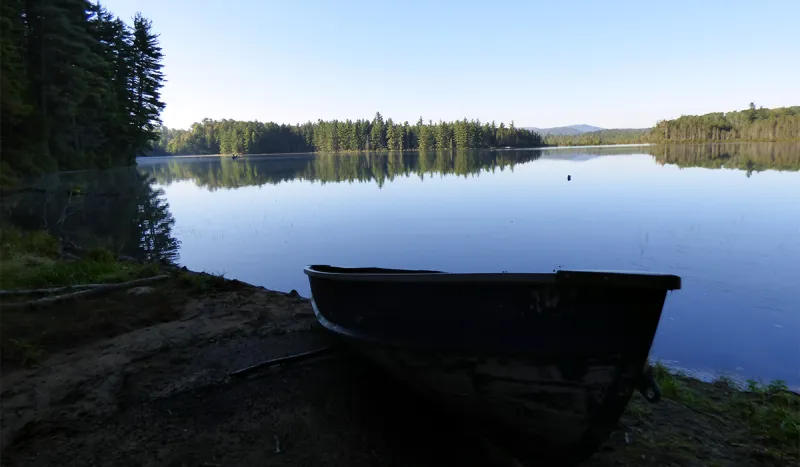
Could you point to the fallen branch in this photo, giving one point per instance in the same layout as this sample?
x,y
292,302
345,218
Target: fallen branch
x,y
49,291
701,412
279,361
42,302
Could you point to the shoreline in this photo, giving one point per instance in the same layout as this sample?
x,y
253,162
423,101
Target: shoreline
x,y
165,353
556,146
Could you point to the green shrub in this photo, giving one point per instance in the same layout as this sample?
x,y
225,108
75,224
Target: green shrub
x,y
100,255
31,260
36,242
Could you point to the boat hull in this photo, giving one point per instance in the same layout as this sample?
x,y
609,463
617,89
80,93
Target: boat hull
x,y
544,364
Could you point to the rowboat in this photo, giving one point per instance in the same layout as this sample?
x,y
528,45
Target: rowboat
x,y
544,363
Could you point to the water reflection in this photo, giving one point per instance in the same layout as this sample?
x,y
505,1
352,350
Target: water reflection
x,y
262,218
688,210
223,172
119,209
747,157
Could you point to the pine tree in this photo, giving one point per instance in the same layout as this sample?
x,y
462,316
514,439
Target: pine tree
x,y
116,40
377,135
391,135
63,65
15,106
461,134
68,86
147,82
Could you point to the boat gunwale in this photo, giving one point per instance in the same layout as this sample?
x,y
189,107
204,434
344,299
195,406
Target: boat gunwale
x,y
577,277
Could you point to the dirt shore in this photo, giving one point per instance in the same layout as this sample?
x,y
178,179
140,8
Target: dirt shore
x,y
158,391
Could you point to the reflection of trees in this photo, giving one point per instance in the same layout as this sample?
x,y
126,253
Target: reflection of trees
x,y
749,157
213,173
118,209
225,172
382,166
152,225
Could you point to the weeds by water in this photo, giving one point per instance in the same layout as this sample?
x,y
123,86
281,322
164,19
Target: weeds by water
x,y
764,418
32,259
202,283
718,423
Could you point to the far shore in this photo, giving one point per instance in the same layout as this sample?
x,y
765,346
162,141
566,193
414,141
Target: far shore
x,y
312,153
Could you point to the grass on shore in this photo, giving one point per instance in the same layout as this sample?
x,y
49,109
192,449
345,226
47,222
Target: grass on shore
x,y
203,283
32,259
761,420
697,423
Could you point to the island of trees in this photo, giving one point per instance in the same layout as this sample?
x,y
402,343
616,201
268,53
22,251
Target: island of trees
x,y
237,137
80,87
752,124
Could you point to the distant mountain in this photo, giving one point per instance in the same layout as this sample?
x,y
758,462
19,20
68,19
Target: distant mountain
x,y
565,130
590,138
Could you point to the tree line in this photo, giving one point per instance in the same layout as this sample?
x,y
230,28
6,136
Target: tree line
x,y
80,87
238,137
752,124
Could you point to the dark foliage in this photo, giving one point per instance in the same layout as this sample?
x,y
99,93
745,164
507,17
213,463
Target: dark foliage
x,y
80,88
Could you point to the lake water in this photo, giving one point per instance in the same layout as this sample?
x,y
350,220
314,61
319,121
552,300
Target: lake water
x,y
726,218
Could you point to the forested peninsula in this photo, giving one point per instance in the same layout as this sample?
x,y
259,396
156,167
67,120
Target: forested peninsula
x,y
80,87
752,124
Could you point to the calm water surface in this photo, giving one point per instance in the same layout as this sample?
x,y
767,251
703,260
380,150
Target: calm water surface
x,y
726,218
710,214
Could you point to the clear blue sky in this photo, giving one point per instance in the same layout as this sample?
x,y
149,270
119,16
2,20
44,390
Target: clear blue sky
x,y
606,63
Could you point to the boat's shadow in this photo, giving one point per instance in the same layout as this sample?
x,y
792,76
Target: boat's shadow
x,y
412,429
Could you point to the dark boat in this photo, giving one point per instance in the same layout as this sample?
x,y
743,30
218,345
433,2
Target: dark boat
x,y
545,362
